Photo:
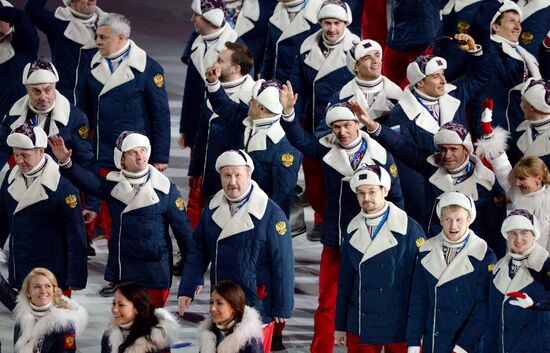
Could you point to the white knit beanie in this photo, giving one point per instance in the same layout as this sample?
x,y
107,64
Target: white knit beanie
x,y
454,134
335,9
520,219
267,93
359,50
212,10
458,199
39,72
27,137
370,175
339,111
128,140
234,158
537,93
423,66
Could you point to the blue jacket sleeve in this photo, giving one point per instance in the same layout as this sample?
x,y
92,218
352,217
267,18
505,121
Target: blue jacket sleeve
x,y
179,222
231,112
43,18
418,307
87,181
493,320
285,176
198,156
346,279
479,73
193,100
304,141
395,195
25,38
300,87
8,295
5,150
268,62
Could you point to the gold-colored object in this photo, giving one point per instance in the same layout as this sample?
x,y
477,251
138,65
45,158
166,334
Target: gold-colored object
x,y
393,170
420,241
527,37
180,204
281,227
159,80
71,201
287,159
462,27
83,132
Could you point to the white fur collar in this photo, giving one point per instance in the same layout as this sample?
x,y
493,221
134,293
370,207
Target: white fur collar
x,y
164,334
258,142
539,147
532,7
241,221
201,59
523,278
76,30
337,158
36,192
435,263
146,196
481,175
6,51
448,106
457,5
301,23
521,54
56,320
60,113
245,331
397,222
248,16
137,59
335,60
382,105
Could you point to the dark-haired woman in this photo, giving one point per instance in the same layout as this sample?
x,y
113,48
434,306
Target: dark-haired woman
x,y
233,327
138,327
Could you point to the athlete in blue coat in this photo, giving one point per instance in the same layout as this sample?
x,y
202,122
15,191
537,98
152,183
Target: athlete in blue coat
x,y
68,29
448,302
376,268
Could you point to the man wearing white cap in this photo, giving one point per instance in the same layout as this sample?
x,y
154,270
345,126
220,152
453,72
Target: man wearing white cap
x,y
245,237
209,20
143,205
373,299
18,46
341,153
71,31
40,211
453,168
519,289
448,301
320,71
427,103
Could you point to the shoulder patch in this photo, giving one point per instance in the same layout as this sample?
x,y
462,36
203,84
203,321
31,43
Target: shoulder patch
x,y
287,159
393,170
180,204
281,227
499,200
462,27
490,267
420,241
71,200
83,132
69,341
158,80
527,37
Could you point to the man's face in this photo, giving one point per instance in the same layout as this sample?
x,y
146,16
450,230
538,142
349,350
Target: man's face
x,y
135,160
4,28
42,96
371,198
86,7
235,180
452,156
346,131
333,29
455,222
509,27
255,109
520,240
107,42
433,85
27,159
369,67
202,26
226,65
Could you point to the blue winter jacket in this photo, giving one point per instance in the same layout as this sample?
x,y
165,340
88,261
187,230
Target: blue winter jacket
x,y
448,304
24,43
374,282
132,98
341,202
534,25
253,249
413,24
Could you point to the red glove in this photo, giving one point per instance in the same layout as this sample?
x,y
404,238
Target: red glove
x,y
486,117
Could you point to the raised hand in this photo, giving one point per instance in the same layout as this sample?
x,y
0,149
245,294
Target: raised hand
x,y
288,98
57,144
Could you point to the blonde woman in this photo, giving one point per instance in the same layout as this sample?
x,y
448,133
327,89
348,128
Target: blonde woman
x,y
46,321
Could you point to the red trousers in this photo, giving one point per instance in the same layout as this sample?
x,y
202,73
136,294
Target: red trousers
x,y
395,62
355,347
323,326
315,190
195,204
268,336
158,296
373,23
103,219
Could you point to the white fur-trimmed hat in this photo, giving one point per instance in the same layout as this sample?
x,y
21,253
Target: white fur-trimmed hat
x,y
537,93
6,3
28,137
212,10
39,72
339,111
359,50
370,175
267,93
128,140
507,5
520,219
458,199
423,66
454,134
234,158
337,9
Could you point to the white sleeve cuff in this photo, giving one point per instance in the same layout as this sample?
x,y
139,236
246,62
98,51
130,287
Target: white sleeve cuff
x,y
459,349
415,349
213,87
288,118
67,164
478,51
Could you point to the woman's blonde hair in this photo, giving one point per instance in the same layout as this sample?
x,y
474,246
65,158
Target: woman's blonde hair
x,y
40,271
532,167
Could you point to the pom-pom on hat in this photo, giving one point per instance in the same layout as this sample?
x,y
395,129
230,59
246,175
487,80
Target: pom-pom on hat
x,y
335,9
212,10
520,219
28,137
39,72
267,93
370,175
359,50
537,93
128,140
423,66
507,5
458,199
339,111
454,134
234,158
